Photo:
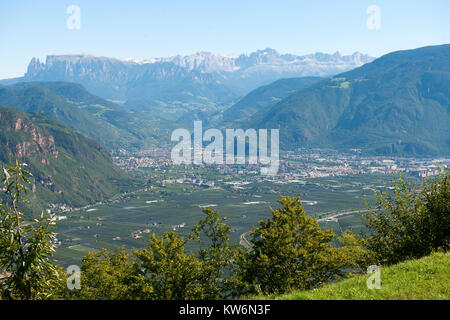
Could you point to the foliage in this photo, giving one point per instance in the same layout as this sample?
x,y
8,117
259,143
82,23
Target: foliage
x,y
169,270
218,258
290,251
161,271
410,223
25,247
164,270
353,246
110,275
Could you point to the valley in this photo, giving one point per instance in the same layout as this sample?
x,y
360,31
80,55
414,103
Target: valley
x,y
342,136
129,221
193,155
334,188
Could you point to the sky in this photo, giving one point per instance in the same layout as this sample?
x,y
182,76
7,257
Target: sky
x,y
149,28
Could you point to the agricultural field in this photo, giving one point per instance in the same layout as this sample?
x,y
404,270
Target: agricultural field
x,y
129,222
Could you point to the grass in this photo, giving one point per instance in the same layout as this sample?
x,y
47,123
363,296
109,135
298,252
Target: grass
x,y
427,278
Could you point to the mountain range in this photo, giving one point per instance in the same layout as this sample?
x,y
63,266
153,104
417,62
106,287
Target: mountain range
x,y
110,124
199,80
398,104
264,97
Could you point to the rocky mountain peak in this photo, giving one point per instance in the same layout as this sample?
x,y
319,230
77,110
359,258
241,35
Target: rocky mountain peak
x,y
110,78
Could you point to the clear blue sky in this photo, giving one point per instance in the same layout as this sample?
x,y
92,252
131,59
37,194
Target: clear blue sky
x,y
153,28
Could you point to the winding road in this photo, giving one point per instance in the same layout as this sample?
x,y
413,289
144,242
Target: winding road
x,y
246,244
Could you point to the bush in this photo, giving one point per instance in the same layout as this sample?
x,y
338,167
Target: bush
x,y
290,251
110,275
26,268
164,270
169,272
411,222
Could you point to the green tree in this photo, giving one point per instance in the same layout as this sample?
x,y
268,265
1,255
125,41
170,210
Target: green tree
x,y
410,222
110,275
163,270
216,254
169,271
26,247
290,251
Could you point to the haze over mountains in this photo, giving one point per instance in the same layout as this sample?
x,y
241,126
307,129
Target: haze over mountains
x,y
398,104
263,97
203,79
110,124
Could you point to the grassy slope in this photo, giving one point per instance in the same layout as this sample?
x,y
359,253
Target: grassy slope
x,y
423,279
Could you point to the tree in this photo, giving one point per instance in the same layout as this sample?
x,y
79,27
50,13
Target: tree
x,y
168,270
111,275
217,257
435,223
290,251
411,222
163,270
26,247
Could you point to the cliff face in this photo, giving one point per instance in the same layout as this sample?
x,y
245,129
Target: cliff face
x,y
38,143
102,69
67,167
219,78
22,139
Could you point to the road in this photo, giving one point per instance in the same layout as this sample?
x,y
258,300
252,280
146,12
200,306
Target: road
x,y
245,243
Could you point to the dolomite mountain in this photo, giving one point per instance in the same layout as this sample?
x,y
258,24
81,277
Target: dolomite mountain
x,y
203,78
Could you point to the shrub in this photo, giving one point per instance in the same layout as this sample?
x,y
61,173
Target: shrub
x,y
411,222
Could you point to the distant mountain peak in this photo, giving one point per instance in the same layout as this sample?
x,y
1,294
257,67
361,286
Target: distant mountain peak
x,y
204,73
398,104
206,61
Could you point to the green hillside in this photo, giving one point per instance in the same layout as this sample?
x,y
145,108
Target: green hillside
x,y
67,167
422,279
266,96
110,124
398,104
